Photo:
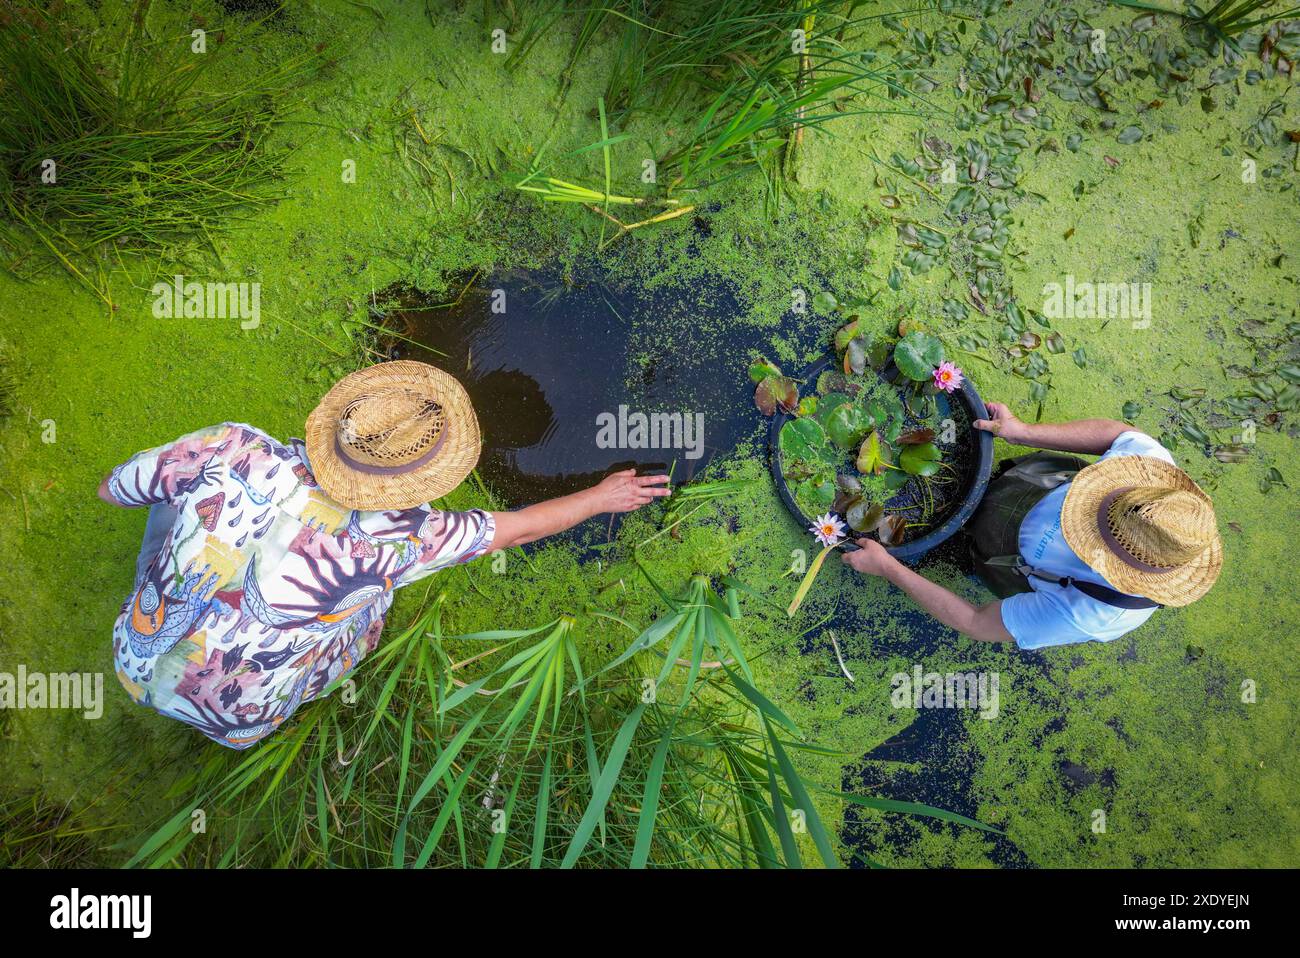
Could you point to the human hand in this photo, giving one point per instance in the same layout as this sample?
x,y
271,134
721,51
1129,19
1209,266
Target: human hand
x,y
625,491
870,558
1003,423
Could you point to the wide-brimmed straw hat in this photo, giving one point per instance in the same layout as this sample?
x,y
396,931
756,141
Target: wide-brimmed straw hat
x,y
392,436
1146,526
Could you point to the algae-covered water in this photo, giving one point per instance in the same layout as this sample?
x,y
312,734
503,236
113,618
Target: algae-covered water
x,y
1173,746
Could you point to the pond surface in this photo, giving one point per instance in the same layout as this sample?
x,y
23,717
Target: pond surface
x,y
573,378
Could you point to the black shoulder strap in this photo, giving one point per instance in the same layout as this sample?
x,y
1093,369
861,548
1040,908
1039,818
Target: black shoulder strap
x,y
1102,593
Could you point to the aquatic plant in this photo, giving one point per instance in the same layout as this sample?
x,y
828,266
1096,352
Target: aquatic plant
x,y
829,531
948,377
1226,18
112,141
761,75
555,190
8,379
875,414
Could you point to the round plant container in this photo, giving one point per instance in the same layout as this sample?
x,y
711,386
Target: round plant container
x,y
974,477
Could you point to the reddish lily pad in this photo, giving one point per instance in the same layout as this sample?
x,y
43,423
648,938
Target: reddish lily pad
x,y
776,392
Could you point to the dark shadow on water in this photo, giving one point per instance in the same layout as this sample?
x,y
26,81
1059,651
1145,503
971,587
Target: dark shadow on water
x,y
934,741
548,361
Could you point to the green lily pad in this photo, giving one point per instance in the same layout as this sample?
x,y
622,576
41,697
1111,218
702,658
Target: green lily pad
x,y
922,459
802,439
917,354
846,424
862,516
873,457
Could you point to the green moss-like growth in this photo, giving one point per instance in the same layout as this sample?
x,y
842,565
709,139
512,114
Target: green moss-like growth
x,y
1189,756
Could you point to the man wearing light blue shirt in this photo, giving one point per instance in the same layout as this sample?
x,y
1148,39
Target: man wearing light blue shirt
x,y
1076,552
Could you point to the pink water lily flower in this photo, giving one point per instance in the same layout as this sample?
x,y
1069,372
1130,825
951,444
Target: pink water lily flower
x,y
828,529
947,377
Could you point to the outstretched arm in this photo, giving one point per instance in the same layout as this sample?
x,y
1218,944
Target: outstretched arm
x,y
982,623
620,492
104,493
1090,436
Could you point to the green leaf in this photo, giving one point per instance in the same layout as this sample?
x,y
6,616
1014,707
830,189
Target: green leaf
x,y
917,354
825,302
801,438
645,826
827,404
961,199
846,425
872,457
604,786
845,333
921,460
802,801
912,808
761,369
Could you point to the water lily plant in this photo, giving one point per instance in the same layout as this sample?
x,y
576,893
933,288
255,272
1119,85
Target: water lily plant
x,y
859,441
829,531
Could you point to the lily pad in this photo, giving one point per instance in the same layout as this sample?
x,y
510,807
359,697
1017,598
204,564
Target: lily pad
x,y
802,439
922,459
863,516
776,392
846,333
825,302
761,369
847,423
917,354
820,493
890,529
873,457
914,437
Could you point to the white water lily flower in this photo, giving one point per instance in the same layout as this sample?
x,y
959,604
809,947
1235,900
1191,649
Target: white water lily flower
x,y
828,529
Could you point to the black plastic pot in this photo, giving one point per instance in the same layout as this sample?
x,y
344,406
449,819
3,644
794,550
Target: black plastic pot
x,y
977,480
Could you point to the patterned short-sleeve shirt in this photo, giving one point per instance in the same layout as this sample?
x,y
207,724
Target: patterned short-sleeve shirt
x,y
259,590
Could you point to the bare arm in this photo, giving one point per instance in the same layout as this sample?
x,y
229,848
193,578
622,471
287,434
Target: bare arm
x,y
1090,436
620,492
104,493
982,623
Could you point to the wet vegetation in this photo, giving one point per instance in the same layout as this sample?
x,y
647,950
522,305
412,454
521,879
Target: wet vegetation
x,y
647,693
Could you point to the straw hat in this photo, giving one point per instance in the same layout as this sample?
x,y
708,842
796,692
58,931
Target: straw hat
x,y
1146,527
392,436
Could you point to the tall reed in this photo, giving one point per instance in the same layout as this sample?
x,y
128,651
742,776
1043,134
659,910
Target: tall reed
x,y
504,748
112,142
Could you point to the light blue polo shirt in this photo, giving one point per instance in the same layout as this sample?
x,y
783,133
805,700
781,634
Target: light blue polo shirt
x,y
1053,614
